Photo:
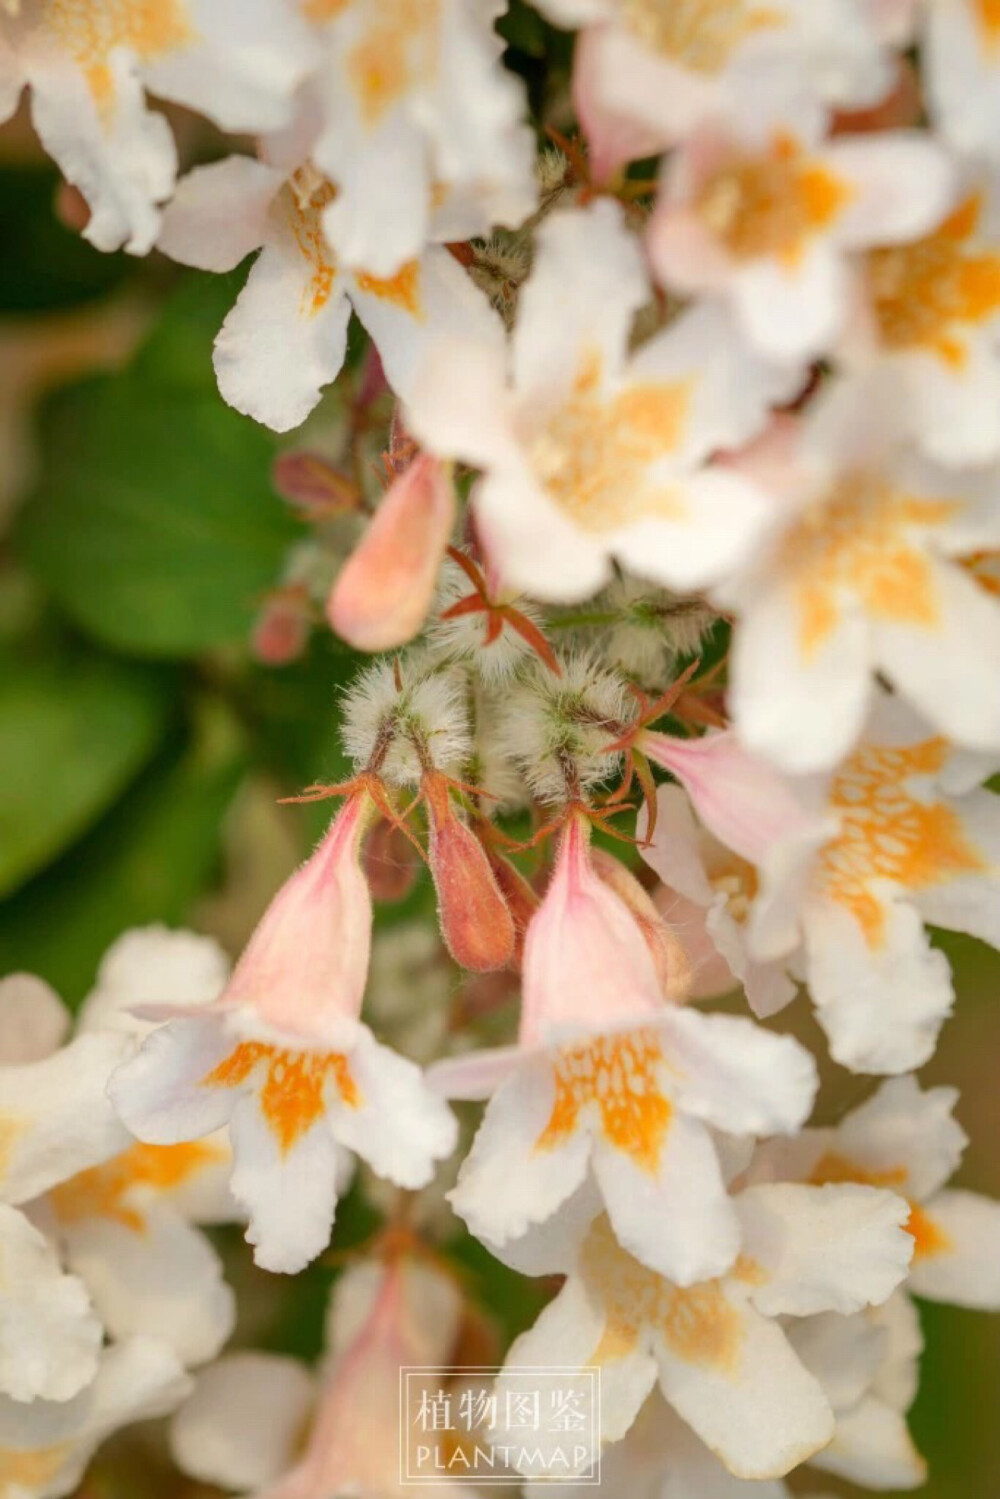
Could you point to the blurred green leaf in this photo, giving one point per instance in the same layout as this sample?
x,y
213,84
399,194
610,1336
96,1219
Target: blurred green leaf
x,y
74,730
43,265
149,860
154,524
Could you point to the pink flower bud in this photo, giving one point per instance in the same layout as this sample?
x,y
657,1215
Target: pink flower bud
x,y
477,927
306,965
385,1317
313,485
587,966
383,593
666,950
390,862
281,629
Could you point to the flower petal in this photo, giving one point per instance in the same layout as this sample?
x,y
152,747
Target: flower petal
x,y
290,1194
958,1253
883,1006
510,1180
398,1126
49,1335
219,213
242,1425
284,340
736,1075
759,1411
678,1220
832,1248
33,1020
162,1280
55,1118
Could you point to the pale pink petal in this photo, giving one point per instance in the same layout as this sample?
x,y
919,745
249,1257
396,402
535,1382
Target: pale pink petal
x,y
586,965
741,799
384,591
305,967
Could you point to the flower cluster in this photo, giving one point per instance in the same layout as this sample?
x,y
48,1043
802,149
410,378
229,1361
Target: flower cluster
x,y
683,556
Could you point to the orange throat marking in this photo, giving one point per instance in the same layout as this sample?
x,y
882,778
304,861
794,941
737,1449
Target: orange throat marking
x,y
857,544
702,35
90,30
924,294
698,1323
593,454
101,1192
888,833
772,205
616,1077
292,1085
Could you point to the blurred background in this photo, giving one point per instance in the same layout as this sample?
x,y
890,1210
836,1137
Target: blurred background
x,y
145,742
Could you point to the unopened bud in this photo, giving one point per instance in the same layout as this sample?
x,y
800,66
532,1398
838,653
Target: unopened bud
x,y
522,902
390,862
71,207
281,629
672,966
385,589
314,486
477,927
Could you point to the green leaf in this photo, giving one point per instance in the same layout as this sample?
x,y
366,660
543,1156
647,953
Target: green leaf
x,y
154,524
74,730
43,265
148,860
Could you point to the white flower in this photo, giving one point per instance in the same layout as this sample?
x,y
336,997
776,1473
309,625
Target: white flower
x,y
868,1366
768,217
45,1446
283,1058
929,324
612,1085
961,60
422,129
717,1349
55,1118
918,841
88,64
124,1219
646,75
591,453
49,1335
286,337
905,1138
860,575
